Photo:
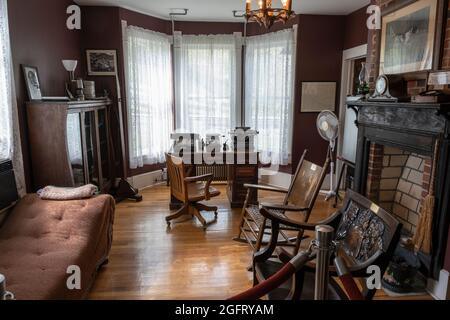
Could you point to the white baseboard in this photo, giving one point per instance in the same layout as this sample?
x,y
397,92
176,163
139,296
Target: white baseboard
x,y
146,180
439,290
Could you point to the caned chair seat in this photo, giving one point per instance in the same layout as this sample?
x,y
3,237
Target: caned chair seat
x,y
255,215
196,191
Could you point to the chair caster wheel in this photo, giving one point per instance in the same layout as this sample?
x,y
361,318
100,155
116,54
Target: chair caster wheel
x,y
216,214
168,225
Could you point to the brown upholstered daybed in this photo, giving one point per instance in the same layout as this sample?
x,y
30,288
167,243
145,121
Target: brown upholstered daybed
x,y
40,239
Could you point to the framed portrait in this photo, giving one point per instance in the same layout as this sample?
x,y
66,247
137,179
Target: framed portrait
x,y
102,62
408,37
33,83
318,96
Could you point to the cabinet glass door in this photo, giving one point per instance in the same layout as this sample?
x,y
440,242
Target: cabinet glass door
x,y
104,147
91,148
75,145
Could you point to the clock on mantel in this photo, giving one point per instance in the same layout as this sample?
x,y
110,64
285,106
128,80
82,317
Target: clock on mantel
x,y
382,92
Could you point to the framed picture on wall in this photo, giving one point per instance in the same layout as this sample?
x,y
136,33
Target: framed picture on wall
x,y
318,96
33,83
102,62
408,38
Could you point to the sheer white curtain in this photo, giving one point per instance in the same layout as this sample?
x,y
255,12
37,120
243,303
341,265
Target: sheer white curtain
x,y
206,78
10,147
149,95
269,98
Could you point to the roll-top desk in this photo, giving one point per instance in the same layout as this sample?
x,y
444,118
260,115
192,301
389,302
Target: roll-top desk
x,y
70,143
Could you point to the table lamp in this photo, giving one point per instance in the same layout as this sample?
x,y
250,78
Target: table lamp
x,y
70,66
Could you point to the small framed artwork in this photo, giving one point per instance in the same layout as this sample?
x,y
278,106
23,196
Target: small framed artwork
x,y
33,83
318,96
102,62
408,38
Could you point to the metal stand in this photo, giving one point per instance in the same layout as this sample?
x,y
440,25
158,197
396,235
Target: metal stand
x,y
345,165
324,247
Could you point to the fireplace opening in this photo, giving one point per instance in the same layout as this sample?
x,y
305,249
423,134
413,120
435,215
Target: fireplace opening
x,y
399,181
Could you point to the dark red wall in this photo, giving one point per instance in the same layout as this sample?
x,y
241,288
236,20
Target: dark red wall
x,y
320,45
356,29
39,37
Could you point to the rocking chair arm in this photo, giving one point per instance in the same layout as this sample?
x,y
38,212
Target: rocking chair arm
x,y
296,224
283,207
265,188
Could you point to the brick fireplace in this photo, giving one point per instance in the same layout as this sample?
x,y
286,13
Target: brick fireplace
x,y
398,181
400,146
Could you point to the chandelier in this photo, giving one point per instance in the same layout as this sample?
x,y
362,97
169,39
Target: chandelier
x,y
266,15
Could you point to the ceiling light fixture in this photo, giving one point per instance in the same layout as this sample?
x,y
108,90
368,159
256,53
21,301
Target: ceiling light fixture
x,y
266,15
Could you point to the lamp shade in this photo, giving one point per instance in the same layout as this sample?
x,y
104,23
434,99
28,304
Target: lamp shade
x,y
70,65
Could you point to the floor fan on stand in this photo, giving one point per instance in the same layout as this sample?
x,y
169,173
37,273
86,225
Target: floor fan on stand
x,y
328,127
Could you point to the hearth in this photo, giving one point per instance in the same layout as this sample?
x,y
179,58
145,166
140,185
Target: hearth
x,y
402,156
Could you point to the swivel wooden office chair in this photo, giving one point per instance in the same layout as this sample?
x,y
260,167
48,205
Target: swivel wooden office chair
x,y
303,192
190,191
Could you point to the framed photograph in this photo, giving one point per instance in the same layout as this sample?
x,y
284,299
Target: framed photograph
x,y
102,62
33,83
318,96
408,38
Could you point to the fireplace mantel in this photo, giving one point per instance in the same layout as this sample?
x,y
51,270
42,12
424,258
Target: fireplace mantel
x,y
404,117
416,128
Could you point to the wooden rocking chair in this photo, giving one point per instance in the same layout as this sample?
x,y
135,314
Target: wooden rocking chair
x,y
302,194
190,191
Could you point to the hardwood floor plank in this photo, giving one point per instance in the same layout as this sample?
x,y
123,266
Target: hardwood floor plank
x,y
149,262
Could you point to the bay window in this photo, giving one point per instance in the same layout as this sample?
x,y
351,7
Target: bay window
x,y
149,95
269,97
206,77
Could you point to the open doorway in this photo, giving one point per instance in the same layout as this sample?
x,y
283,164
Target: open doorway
x,y
352,65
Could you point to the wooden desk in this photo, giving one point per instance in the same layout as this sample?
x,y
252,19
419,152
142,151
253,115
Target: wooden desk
x,y
235,169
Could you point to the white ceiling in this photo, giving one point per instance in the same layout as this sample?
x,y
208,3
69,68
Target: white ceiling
x,y
221,10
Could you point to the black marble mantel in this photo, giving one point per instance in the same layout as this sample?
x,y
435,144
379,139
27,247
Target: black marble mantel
x,y
417,128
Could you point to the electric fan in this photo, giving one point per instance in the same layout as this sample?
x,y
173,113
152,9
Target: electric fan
x,y
328,127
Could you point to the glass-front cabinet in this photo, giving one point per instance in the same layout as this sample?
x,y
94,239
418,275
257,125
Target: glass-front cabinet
x,y
70,143
89,148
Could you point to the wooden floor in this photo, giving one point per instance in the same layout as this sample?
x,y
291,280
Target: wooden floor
x,y
149,262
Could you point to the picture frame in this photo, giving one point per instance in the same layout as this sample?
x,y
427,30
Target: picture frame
x,y
101,62
318,96
410,37
33,83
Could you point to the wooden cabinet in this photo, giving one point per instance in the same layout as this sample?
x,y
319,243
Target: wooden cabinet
x,y
70,144
238,175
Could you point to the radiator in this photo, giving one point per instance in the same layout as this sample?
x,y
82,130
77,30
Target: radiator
x,y
220,171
